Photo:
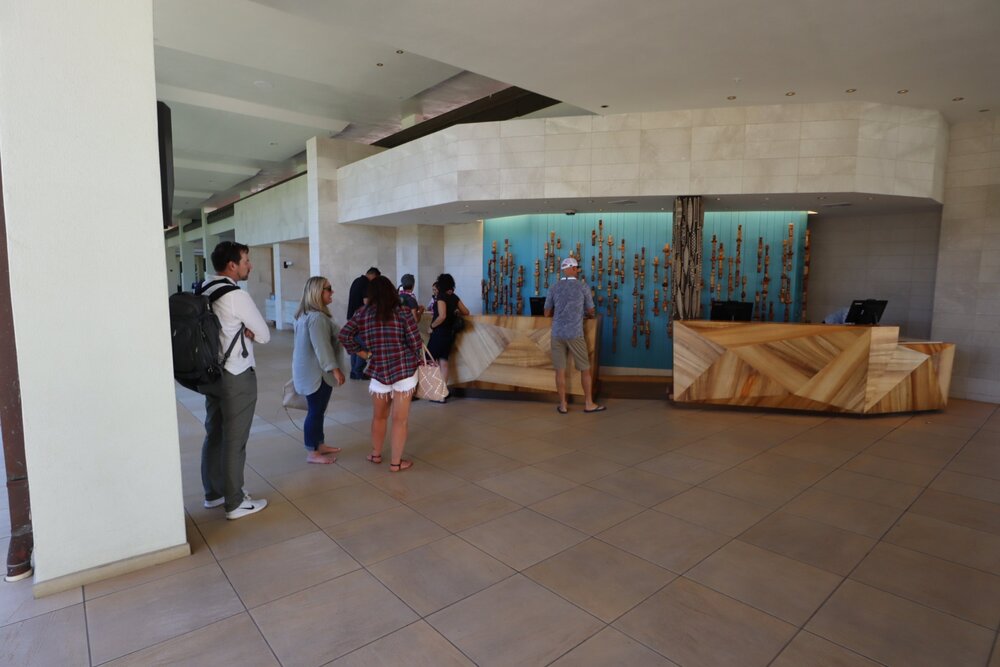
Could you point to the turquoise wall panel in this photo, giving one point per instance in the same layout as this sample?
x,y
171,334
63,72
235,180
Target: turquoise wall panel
x,y
526,236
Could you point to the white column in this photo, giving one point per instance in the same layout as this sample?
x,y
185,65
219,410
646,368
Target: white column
x,y
279,314
78,117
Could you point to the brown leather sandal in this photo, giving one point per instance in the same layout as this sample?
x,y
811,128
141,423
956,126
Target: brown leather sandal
x,y
404,464
374,458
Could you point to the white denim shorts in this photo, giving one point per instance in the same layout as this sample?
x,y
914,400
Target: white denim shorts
x,y
404,386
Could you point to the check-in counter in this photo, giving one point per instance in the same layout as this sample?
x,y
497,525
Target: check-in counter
x,y
828,368
512,353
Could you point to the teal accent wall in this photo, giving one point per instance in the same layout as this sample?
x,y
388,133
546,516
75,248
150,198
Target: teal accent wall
x,y
527,235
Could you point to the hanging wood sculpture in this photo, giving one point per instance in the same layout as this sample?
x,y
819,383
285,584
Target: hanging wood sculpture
x,y
689,220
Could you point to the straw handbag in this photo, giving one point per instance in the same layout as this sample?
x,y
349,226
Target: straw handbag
x,y
292,399
430,382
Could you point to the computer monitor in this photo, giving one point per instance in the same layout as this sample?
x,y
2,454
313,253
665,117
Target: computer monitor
x,y
733,311
537,305
865,311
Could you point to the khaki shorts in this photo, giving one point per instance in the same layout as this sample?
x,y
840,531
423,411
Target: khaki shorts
x,y
578,346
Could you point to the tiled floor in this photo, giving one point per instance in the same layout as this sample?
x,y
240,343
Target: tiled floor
x,y
645,535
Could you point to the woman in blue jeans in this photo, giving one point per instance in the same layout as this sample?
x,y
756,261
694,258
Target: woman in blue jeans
x,y
314,365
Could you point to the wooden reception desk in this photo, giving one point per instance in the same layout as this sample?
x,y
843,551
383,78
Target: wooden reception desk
x,y
512,353
828,368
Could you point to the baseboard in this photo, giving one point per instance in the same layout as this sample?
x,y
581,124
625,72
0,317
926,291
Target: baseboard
x,y
102,572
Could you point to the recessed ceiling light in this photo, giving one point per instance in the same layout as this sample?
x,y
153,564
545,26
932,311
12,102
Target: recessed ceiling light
x,y
604,106
810,212
790,93
400,51
957,99
851,90
983,110
272,143
731,97
379,64
821,197
902,91
261,83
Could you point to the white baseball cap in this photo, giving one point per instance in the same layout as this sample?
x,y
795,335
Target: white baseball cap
x,y
567,263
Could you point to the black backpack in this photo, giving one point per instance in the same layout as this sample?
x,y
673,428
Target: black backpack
x,y
194,335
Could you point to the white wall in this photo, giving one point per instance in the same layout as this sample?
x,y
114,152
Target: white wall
x,y
276,214
967,300
881,257
100,423
463,259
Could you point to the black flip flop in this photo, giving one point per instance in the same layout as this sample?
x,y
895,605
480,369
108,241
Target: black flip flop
x,y
599,408
561,410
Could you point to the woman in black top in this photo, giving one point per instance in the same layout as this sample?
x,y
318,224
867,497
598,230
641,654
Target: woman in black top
x,y
442,336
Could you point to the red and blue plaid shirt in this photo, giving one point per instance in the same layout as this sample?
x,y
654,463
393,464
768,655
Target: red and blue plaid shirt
x,y
395,346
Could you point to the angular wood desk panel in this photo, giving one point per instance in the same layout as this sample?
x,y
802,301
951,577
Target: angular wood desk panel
x,y
512,353
828,368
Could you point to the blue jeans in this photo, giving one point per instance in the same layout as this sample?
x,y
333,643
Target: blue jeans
x,y
312,430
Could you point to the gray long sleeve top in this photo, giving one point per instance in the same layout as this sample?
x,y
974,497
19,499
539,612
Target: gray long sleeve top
x,y
313,357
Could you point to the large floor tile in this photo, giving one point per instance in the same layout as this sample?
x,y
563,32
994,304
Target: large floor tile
x,y
664,540
867,487
814,452
787,467
312,479
858,516
724,514
329,620
344,504
899,471
623,452
233,641
527,485
531,450
125,621
383,535
54,638
17,599
538,626
694,626
275,523
600,578
464,506
943,585
817,544
611,647
473,463
684,468
639,486
949,541
809,649
586,509
895,631
277,570
780,586
418,645
722,448
579,467
971,486
965,511
521,539
437,574
420,481
754,488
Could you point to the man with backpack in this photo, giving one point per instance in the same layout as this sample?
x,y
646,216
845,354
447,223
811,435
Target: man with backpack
x,y
231,399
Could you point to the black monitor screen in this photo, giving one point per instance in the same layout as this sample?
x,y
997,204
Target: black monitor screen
x,y
866,311
537,305
734,311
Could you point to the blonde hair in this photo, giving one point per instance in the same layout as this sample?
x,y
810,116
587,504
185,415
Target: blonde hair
x,y
312,297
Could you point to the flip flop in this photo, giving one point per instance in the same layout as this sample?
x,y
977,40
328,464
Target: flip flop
x,y
561,410
599,408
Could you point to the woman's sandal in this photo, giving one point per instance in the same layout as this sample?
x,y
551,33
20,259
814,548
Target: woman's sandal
x,y
404,464
374,458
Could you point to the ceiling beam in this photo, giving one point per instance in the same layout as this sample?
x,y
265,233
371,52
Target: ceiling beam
x,y
205,100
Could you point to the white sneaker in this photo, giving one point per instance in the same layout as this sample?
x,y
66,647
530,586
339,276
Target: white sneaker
x,y
248,507
221,500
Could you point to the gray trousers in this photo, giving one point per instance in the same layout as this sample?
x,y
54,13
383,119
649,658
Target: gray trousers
x,y
229,406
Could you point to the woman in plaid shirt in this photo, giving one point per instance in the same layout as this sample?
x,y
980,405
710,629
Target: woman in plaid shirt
x,y
391,344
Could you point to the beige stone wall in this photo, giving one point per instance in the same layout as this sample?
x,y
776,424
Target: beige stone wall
x,y
967,293
889,257
792,148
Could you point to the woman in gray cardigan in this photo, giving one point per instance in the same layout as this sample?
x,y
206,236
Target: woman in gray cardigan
x,y
314,364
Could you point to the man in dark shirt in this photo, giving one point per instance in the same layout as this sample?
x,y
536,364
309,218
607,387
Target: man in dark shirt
x,y
356,299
